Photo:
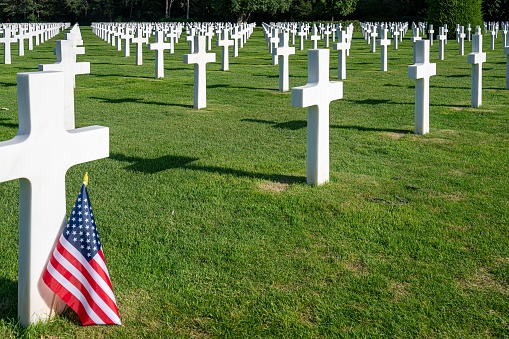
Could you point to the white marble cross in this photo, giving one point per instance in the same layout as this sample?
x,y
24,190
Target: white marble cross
x,y
395,36
283,52
461,39
224,42
373,36
476,59
159,46
492,40
506,52
127,37
327,32
341,46
314,37
200,58
422,70
441,37
7,40
383,43
21,42
302,34
66,52
39,156
430,34
414,39
139,40
469,31
317,95
273,42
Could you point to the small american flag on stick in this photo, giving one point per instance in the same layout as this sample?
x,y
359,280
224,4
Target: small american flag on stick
x,y
77,271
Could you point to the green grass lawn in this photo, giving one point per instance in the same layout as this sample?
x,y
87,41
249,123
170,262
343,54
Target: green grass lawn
x,y
210,230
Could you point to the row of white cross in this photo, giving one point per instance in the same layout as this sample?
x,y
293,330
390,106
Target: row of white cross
x,y
46,146
18,33
40,154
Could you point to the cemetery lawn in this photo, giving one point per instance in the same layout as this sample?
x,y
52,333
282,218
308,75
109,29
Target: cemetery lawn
x,y
210,230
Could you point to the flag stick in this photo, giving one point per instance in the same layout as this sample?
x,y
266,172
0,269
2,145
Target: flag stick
x,y
52,309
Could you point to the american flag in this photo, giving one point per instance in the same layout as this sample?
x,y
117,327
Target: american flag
x,y
77,271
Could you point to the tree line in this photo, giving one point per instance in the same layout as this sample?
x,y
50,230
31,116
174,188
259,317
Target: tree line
x,y
86,11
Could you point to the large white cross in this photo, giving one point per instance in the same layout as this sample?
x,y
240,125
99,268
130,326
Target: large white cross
x,y
373,36
283,52
314,37
430,34
66,52
383,42
7,40
39,156
224,42
422,70
506,52
317,95
200,58
302,35
159,46
139,40
461,39
341,46
476,59
441,37
127,37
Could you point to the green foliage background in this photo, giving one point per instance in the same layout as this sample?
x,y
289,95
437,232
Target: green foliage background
x,y
453,12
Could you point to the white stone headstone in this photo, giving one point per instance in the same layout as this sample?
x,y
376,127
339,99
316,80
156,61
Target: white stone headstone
x,y
159,46
422,70
441,37
200,59
66,52
341,46
461,39
7,40
224,42
506,51
383,43
314,37
476,59
139,40
283,51
317,95
431,31
39,156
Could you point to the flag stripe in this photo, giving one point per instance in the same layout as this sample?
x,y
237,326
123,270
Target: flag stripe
x,y
93,296
75,293
100,277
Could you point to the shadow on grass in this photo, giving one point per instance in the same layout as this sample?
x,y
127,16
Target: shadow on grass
x,y
8,124
123,76
151,166
8,84
240,87
371,101
372,129
394,85
291,125
137,101
8,299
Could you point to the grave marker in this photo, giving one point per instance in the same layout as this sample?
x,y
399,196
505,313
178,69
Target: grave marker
x,y
224,43
506,51
159,46
7,40
39,156
342,47
139,41
66,52
422,70
283,52
476,59
317,95
200,59
383,43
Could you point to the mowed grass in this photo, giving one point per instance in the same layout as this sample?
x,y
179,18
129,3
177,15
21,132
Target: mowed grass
x,y
210,230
